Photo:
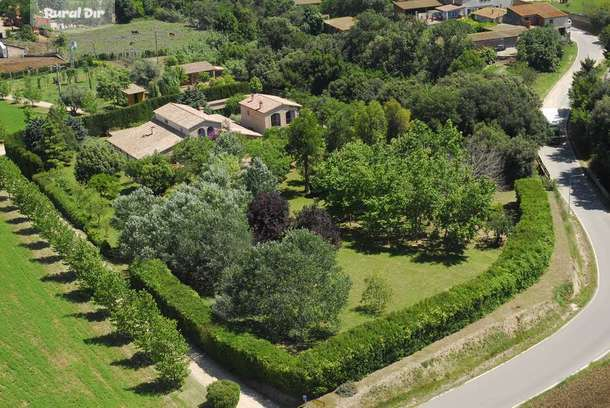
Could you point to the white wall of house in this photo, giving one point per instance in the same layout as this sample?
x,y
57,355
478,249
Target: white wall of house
x,y
474,5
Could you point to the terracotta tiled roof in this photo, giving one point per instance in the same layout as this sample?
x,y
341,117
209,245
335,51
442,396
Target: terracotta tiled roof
x,y
144,140
490,12
448,7
341,23
134,89
544,10
416,4
201,66
266,103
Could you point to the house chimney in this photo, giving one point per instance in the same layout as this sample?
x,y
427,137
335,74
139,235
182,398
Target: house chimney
x,y
152,131
260,105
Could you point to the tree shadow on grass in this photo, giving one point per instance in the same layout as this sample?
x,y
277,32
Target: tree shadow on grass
x,y
36,245
17,220
77,296
9,208
113,339
137,361
48,259
152,388
96,316
27,231
62,277
3,197
447,259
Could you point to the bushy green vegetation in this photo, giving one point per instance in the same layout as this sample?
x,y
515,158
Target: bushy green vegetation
x,y
358,351
222,394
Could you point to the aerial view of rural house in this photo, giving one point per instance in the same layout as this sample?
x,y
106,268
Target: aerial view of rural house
x,y
305,203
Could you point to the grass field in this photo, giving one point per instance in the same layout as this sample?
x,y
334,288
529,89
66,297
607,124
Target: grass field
x,y
545,80
136,37
413,275
55,347
579,6
589,388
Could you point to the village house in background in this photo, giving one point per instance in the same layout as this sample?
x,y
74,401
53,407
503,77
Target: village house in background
x,y
499,37
417,8
307,2
538,14
260,112
489,14
170,125
135,94
195,70
339,24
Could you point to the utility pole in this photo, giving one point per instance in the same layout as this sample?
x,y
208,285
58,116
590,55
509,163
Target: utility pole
x,y
156,47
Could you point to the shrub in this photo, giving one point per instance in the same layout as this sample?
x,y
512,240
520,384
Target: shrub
x,y
154,172
95,157
222,394
108,186
29,163
268,216
258,178
376,295
319,221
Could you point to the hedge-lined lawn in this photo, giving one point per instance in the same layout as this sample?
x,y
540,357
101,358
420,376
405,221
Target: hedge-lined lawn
x,y
412,275
545,80
117,38
12,116
50,355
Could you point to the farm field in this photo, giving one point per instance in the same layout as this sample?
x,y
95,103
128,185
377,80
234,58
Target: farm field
x,y
412,274
579,6
20,64
55,349
135,37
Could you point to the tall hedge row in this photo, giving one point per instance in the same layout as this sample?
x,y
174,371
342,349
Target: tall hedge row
x,y
158,336
29,163
99,124
373,345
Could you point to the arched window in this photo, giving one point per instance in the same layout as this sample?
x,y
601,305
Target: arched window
x,y
213,133
275,119
289,116
201,131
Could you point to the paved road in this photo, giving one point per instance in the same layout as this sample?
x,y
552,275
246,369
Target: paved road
x,y
587,336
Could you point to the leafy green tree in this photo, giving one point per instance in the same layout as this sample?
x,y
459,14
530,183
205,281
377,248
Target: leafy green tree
x,y
154,172
110,83
144,72
604,38
541,48
397,118
170,81
199,231
229,143
192,153
30,92
376,295
75,98
5,89
370,123
258,178
108,186
271,149
97,156
306,143
138,203
291,289
499,223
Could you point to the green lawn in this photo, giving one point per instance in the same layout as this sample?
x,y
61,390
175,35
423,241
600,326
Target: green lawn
x,y
412,275
545,80
12,116
116,38
579,6
54,350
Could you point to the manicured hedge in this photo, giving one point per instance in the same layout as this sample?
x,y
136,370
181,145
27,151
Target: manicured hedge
x,y
29,163
99,124
373,345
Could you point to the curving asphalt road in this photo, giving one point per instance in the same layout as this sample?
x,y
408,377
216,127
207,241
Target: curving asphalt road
x,y
587,336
